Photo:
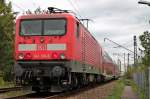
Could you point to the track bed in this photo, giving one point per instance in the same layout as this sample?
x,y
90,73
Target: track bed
x,y
97,91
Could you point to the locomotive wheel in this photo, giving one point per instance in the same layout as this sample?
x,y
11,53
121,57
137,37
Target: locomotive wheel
x,y
87,81
83,80
98,79
103,78
80,81
74,82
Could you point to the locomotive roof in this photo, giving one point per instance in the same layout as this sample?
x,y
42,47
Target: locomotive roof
x,y
53,15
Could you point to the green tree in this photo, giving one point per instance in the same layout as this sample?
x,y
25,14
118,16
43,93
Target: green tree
x,y
6,38
145,42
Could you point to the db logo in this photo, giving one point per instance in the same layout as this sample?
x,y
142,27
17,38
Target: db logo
x,y
41,46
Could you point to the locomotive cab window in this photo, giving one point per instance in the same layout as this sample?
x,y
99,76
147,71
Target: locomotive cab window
x,y
54,27
31,27
40,27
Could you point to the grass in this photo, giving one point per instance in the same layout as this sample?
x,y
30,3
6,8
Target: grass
x,y
117,91
2,83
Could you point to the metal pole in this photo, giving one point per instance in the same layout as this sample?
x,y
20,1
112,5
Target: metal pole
x,y
128,61
120,67
119,64
87,22
124,62
135,50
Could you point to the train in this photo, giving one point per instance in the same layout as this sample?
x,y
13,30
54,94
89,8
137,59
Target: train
x,y
55,52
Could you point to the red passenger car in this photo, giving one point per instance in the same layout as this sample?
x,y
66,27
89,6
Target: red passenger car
x,y
55,51
110,68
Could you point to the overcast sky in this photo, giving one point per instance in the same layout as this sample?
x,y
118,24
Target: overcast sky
x,y
118,20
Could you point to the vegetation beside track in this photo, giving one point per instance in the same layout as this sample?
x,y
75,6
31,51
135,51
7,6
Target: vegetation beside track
x,y
5,84
139,85
117,91
7,39
135,88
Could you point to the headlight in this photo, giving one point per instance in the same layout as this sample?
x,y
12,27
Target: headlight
x,y
62,56
21,56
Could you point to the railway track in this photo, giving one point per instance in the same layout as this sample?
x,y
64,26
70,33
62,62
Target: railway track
x,y
63,95
2,90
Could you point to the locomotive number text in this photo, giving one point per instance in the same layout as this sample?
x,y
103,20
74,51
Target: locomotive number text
x,y
41,46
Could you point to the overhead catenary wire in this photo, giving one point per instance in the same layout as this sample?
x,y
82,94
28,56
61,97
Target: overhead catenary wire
x,y
37,2
34,4
76,2
76,10
81,17
17,5
75,6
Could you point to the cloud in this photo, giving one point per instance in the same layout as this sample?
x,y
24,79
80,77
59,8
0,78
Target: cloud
x,y
117,19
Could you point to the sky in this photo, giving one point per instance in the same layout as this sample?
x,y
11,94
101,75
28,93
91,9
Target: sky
x,y
118,20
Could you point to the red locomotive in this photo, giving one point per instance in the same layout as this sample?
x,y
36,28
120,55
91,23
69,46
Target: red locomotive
x,y
54,51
